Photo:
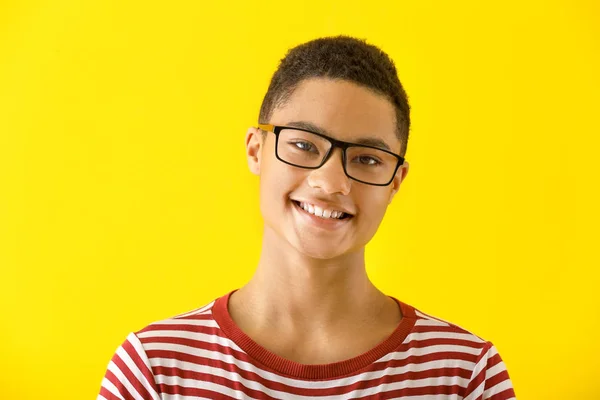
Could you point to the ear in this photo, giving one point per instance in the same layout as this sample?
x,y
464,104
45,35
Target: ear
x,y
398,179
254,143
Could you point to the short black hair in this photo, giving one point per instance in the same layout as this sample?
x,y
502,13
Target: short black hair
x,y
339,57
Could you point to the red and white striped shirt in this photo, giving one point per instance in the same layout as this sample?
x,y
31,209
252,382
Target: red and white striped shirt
x,y
204,355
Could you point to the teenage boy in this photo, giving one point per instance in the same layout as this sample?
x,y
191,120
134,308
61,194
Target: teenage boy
x,y
329,150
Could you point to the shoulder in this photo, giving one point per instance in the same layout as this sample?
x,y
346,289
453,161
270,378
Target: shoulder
x,y
176,329
432,325
138,364
437,334
445,343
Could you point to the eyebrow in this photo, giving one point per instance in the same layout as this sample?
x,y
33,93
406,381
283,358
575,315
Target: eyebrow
x,y
367,141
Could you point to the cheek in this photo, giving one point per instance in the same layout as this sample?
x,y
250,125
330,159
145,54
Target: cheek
x,y
277,181
373,207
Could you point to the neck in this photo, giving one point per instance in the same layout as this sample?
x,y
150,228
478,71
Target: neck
x,y
299,292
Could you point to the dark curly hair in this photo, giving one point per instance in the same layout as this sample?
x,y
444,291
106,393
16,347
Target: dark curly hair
x,y
339,57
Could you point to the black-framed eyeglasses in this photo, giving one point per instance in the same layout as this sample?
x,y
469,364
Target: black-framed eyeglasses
x,y
306,149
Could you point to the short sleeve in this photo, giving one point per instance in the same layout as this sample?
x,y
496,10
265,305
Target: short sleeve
x,y
129,375
490,379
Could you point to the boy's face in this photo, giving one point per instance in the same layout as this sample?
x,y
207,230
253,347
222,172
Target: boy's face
x,y
344,111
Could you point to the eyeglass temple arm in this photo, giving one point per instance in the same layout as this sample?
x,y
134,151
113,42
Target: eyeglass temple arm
x,y
266,127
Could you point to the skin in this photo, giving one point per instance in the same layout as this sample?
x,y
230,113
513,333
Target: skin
x,y
310,299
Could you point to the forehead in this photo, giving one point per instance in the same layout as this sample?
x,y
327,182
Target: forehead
x,y
342,109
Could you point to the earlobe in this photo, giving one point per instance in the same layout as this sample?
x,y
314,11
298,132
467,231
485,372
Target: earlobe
x,y
253,149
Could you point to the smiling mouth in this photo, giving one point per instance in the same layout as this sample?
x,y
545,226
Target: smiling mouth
x,y
324,214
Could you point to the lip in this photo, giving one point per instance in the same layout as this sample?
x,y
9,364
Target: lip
x,y
324,223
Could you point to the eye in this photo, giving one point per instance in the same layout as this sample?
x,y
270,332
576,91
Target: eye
x,y
304,145
368,160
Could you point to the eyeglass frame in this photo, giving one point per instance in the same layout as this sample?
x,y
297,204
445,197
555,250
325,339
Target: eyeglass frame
x,y
276,129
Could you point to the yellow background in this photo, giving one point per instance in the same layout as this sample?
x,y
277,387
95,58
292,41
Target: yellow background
x,y
125,196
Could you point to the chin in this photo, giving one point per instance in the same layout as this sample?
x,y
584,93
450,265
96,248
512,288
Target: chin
x,y
319,254
317,249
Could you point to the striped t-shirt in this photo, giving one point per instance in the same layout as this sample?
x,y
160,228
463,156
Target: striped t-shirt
x,y
205,355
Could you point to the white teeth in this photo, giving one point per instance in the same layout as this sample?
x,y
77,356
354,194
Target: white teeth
x,y
320,212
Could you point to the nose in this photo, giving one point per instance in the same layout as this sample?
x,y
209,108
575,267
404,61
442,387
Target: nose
x,y
330,177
